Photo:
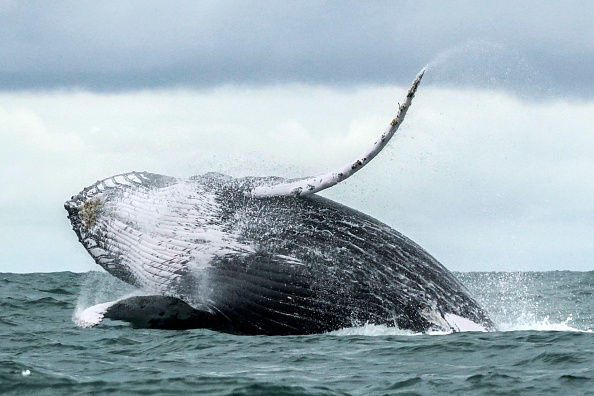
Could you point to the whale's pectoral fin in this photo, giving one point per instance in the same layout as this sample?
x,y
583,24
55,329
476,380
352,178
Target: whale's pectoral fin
x,y
459,323
318,183
162,312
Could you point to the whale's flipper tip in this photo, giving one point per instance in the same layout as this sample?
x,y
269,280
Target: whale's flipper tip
x,y
92,316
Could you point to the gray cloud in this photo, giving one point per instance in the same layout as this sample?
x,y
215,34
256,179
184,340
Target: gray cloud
x,y
529,48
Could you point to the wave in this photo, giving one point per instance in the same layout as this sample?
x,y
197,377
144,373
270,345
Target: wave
x,y
545,324
542,325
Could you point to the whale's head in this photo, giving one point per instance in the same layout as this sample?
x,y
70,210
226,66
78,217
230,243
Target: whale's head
x,y
149,230
87,210
91,214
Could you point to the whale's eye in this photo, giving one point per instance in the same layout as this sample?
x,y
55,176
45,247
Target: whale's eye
x,y
88,211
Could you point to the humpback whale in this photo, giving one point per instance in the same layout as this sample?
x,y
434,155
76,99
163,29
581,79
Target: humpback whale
x,y
262,255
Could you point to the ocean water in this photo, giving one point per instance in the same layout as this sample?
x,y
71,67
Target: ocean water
x,y
545,346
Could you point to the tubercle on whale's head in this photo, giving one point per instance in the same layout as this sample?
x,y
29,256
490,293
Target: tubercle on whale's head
x,y
83,210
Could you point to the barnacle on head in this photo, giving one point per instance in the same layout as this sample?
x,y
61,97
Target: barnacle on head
x,y
88,211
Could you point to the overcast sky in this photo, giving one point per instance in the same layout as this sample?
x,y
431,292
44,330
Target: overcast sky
x,y
492,170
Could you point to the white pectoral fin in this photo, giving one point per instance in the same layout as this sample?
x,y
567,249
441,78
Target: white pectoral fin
x,y
315,184
458,323
93,315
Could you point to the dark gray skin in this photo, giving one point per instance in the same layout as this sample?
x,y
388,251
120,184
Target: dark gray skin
x,y
319,266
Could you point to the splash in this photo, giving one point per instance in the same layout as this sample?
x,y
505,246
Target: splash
x,y
542,325
488,65
531,301
372,330
479,47
99,288
545,324
518,302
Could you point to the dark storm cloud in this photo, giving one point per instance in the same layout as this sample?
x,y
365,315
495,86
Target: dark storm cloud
x,y
526,47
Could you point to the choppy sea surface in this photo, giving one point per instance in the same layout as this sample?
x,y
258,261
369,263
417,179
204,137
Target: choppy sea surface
x,y
545,345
